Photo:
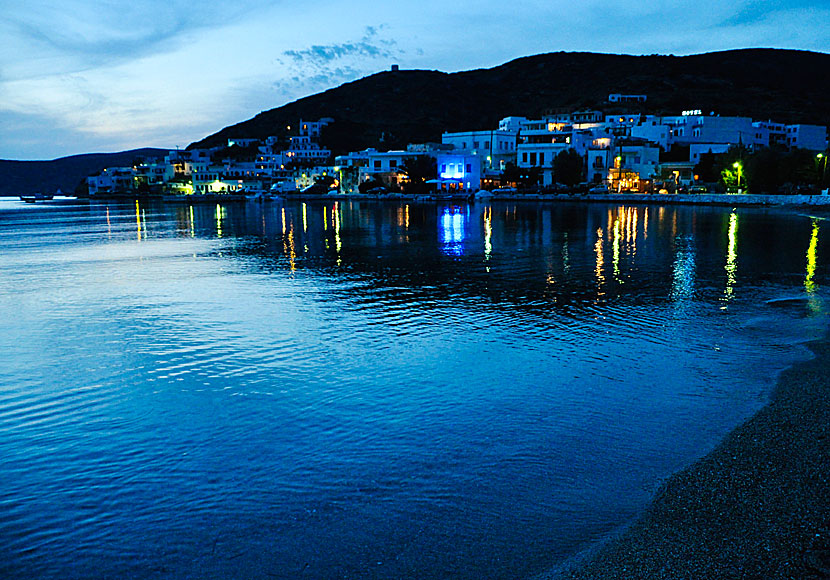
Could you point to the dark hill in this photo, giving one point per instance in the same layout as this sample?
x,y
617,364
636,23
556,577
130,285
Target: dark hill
x,y
391,109
21,177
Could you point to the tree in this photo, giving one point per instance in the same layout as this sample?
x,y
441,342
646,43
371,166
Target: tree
x,y
709,167
418,170
324,181
510,175
82,189
523,177
568,167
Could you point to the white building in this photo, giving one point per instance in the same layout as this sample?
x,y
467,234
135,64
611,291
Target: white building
x,y
385,166
625,165
112,180
811,137
512,124
496,148
688,129
459,171
619,98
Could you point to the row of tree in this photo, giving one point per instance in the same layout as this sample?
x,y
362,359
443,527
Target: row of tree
x,y
765,170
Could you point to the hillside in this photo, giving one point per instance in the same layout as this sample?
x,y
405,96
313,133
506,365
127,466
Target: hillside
x,y
21,177
391,109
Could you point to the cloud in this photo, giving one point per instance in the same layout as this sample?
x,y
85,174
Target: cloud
x,y
321,66
758,11
371,46
48,36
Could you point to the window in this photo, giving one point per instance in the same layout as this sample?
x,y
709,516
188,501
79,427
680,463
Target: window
x,y
377,163
533,158
444,168
486,144
542,158
393,163
524,157
475,144
469,168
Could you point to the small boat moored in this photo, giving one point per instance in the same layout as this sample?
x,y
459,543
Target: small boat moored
x,y
36,197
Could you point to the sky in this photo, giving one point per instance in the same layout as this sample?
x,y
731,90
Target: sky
x,y
82,76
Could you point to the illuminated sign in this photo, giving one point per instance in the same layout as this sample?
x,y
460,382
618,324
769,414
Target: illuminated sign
x,y
692,112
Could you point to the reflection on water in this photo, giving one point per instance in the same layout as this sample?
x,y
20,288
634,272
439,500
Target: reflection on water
x,y
452,231
372,390
731,258
600,262
809,282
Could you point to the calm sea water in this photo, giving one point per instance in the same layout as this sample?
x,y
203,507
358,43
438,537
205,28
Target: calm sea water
x,y
361,390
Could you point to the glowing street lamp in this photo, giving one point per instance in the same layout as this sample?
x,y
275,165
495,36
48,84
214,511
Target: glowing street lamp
x,y
822,164
737,165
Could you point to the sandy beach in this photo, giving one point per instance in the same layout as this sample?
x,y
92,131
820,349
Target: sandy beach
x,y
758,506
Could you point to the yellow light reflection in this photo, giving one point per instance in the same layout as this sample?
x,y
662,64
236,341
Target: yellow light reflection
x,y
325,218
284,230
732,257
288,245
407,215
645,225
617,240
219,221
635,225
192,224
335,214
600,258
809,282
305,220
138,218
109,225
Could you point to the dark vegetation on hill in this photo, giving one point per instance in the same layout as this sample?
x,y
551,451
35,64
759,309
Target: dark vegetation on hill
x,y
390,109
22,177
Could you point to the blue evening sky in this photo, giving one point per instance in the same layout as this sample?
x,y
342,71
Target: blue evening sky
x,y
82,76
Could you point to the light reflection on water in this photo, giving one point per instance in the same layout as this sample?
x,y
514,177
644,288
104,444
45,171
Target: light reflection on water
x,y
373,390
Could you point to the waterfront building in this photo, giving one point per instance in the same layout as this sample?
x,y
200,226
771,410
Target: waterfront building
x,y
494,147
111,180
631,164
384,166
459,171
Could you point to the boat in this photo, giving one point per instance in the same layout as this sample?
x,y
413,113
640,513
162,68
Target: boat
x,y
36,197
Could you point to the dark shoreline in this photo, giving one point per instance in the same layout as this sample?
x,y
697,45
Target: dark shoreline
x,y
757,506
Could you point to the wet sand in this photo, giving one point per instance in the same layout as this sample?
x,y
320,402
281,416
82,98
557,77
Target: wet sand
x,y
758,506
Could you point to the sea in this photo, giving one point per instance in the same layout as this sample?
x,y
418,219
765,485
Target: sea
x,y
366,390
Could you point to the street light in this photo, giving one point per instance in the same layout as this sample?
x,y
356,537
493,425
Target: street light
x,y
822,164
737,165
